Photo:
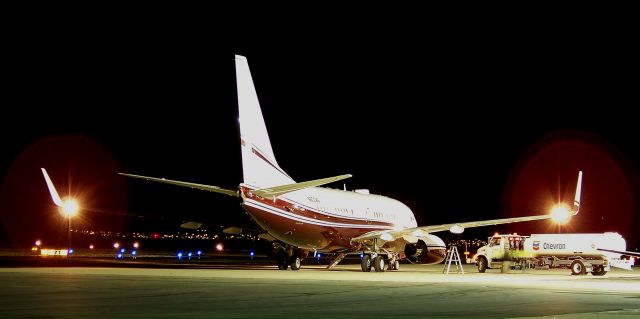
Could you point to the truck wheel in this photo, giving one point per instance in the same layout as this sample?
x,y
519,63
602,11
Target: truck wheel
x,y
482,265
577,268
598,271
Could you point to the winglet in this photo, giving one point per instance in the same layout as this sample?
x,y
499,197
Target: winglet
x,y
52,189
576,201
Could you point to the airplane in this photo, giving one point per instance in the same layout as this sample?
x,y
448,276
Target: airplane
x,y
621,252
308,218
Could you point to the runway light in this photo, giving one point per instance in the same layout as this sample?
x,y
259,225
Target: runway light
x,y
361,255
199,252
219,247
136,245
560,213
91,246
71,251
119,256
38,243
122,250
116,245
179,256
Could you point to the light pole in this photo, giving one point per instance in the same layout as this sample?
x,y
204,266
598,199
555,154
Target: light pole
x,y
69,209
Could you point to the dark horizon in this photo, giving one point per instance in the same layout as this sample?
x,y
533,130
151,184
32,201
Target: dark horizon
x,y
475,129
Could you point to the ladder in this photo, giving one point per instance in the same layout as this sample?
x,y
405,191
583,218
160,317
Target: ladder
x,y
336,260
453,256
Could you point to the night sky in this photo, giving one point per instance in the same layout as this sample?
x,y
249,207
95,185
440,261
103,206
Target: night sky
x,y
462,125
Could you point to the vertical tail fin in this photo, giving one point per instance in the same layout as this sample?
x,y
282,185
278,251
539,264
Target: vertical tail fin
x,y
259,166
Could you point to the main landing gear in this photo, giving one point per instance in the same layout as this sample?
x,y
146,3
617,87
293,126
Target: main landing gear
x,y
379,262
290,257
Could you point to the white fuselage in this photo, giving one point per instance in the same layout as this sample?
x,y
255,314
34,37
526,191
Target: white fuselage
x,y
326,219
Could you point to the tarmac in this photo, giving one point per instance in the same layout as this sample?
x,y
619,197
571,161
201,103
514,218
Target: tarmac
x,y
170,289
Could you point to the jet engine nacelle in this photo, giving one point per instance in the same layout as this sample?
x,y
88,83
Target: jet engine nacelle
x,y
421,253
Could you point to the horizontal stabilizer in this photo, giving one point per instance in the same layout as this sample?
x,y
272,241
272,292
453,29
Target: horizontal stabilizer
x,y
283,189
203,187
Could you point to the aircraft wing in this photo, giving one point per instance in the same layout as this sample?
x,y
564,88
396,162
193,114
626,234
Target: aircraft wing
x,y
621,252
52,189
203,187
283,189
456,228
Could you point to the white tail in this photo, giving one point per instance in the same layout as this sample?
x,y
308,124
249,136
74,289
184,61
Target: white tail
x,y
259,166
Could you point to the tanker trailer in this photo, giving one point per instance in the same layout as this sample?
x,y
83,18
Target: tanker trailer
x,y
579,252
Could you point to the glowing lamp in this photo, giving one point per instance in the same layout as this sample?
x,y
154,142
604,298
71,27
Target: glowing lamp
x,y
560,214
69,207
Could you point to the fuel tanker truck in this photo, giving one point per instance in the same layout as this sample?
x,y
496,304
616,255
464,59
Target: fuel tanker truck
x,y
582,253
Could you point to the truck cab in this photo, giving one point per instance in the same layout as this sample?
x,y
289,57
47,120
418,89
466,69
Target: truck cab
x,y
500,248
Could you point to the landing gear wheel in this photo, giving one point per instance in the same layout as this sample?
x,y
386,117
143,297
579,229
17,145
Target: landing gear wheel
x,y
378,263
295,263
482,265
395,265
282,265
366,263
577,268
